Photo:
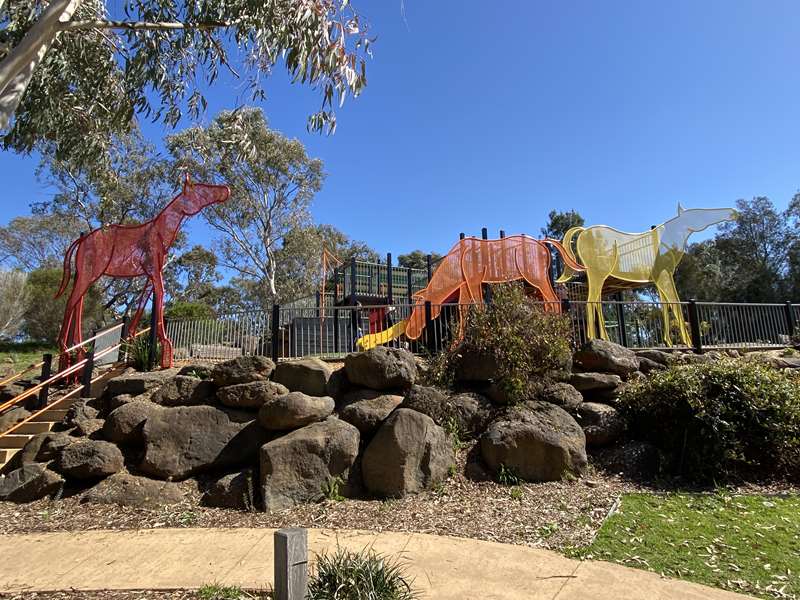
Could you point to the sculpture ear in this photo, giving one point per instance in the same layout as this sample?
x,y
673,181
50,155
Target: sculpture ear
x,y
680,208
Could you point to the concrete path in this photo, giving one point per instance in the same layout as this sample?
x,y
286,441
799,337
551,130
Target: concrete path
x,y
443,567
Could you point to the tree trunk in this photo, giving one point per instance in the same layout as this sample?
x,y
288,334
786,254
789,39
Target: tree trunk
x,y
16,69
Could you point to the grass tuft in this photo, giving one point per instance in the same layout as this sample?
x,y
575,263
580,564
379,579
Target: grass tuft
x,y
364,575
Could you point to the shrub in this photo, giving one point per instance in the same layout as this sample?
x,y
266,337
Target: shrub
x,y
514,332
717,419
138,350
363,575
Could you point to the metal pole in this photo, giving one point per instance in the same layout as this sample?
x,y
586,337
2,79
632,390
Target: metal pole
x,y
694,325
86,379
484,233
429,335
151,360
623,334
336,330
276,317
502,234
429,265
789,313
389,290
353,280
461,236
47,369
408,284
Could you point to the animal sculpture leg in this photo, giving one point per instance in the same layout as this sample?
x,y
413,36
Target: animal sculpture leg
x,y
158,306
667,284
595,324
666,334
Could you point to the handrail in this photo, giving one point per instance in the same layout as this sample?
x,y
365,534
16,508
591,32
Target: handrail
x,y
93,338
19,374
61,374
31,391
48,407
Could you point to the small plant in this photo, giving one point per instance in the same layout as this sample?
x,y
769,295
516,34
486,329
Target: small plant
x,y
187,518
452,428
517,493
219,592
331,487
364,575
138,352
507,476
452,471
547,531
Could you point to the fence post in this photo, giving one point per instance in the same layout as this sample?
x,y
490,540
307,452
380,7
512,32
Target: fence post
x,y
353,280
86,378
47,368
291,564
789,312
623,334
461,236
408,284
429,265
694,326
389,290
276,342
335,330
502,234
429,335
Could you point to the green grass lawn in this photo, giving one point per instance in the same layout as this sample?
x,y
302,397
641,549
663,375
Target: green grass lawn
x,y
748,544
16,356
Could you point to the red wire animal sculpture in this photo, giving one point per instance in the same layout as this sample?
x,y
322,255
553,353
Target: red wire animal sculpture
x,y
131,251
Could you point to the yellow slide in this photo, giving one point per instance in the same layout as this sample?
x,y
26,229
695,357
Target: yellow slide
x,y
376,339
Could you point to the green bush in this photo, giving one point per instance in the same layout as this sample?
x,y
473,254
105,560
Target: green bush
x,y
513,331
180,309
364,575
714,420
138,350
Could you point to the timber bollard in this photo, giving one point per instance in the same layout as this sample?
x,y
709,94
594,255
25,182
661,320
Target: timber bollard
x,y
291,564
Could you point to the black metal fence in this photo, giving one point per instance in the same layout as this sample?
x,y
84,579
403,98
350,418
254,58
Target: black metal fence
x,y
333,331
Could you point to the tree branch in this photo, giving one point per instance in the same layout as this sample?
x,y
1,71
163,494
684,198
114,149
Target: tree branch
x,y
142,25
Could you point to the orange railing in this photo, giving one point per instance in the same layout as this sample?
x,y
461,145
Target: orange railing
x,y
62,375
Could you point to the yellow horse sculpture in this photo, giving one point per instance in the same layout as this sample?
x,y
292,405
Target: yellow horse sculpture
x,y
649,257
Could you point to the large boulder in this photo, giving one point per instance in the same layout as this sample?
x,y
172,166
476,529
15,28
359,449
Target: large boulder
x,y
560,394
234,490
381,368
88,427
294,410
242,369
30,482
308,375
475,366
601,423
659,356
367,409
89,459
124,425
538,441
42,447
184,390
135,382
250,395
606,357
296,467
12,417
777,359
185,440
633,459
408,454
130,490
647,365
589,382
83,409
468,412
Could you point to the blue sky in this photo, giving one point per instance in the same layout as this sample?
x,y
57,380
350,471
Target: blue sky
x,y
493,113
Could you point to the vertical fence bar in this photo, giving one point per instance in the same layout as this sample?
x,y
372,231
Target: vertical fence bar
x,y
86,378
389,286
47,368
276,326
429,265
429,337
151,357
623,334
789,316
694,325
502,234
408,283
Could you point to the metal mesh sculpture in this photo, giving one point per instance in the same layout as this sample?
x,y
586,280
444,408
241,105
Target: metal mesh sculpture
x,y
131,251
614,257
471,263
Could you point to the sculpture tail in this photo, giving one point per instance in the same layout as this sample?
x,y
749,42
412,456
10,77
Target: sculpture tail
x,y
571,264
65,277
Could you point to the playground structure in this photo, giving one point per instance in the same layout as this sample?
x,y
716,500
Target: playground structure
x,y
614,258
127,251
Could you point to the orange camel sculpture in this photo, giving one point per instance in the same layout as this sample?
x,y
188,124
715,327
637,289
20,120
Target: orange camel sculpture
x,y
473,262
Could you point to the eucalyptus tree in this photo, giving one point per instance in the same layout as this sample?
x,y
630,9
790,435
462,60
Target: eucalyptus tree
x,y
272,181
73,72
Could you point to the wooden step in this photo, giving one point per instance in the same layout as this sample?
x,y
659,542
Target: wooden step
x,y
34,427
13,441
55,415
6,454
